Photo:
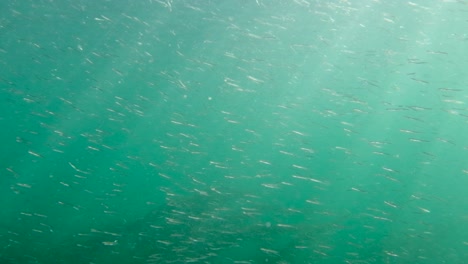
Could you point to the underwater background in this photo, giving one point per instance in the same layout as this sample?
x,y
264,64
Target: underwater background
x,y
250,131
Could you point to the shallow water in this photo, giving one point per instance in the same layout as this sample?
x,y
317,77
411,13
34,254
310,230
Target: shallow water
x,y
233,131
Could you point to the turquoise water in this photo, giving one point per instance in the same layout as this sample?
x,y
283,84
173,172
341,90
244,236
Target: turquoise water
x,y
233,131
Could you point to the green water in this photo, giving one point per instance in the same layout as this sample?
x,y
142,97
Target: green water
x,y
245,131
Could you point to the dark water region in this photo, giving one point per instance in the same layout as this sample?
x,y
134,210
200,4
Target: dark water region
x,y
252,131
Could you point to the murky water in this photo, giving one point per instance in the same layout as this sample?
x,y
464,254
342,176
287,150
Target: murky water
x,y
233,131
